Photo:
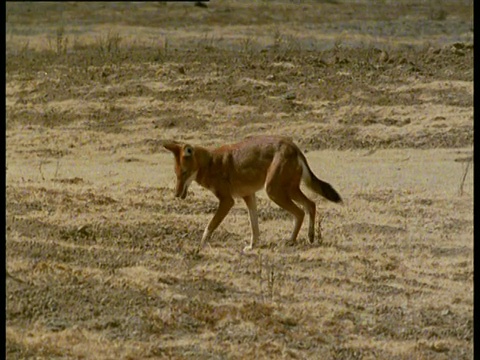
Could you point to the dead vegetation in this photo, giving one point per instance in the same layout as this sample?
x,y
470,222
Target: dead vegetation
x,y
100,255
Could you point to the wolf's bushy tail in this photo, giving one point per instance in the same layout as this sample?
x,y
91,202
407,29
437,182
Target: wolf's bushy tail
x,y
319,186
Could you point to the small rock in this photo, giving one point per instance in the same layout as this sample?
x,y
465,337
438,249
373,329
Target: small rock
x,y
383,56
290,96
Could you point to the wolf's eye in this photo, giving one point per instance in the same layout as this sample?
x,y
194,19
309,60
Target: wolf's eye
x,y
187,152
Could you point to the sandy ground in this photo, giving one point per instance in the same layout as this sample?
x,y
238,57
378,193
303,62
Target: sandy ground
x,y
99,253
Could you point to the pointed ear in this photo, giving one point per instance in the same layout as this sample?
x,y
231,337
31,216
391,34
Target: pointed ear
x,y
173,146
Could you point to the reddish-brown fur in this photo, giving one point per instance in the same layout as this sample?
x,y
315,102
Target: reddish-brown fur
x,y
242,169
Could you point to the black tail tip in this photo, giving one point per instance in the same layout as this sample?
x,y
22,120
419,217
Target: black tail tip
x,y
332,195
337,199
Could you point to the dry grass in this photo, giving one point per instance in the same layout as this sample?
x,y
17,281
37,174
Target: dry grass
x,y
99,252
